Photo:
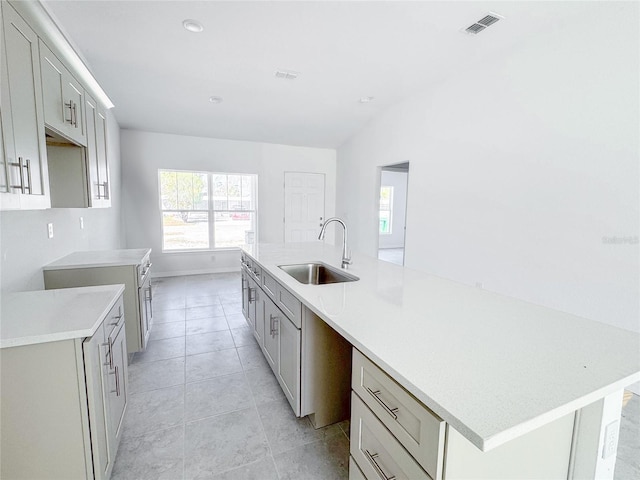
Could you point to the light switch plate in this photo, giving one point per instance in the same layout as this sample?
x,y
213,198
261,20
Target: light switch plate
x,y
610,439
50,230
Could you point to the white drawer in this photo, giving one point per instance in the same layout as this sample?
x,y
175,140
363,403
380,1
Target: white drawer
x,y
115,318
378,454
418,429
354,471
270,286
290,305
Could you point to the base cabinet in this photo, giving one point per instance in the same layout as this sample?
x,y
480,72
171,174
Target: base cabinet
x,y
282,351
311,362
63,404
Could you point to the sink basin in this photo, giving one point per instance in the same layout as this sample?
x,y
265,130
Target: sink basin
x,y
317,273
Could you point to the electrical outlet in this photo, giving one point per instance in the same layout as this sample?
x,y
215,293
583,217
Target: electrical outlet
x,y
479,285
610,439
213,258
81,223
50,230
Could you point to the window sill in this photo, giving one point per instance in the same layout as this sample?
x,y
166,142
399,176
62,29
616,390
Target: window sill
x,y
205,251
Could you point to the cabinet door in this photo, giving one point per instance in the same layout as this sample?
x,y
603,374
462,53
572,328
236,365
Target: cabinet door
x,y
146,318
270,344
91,110
251,299
258,322
289,361
102,159
27,161
7,150
245,293
97,360
62,98
118,390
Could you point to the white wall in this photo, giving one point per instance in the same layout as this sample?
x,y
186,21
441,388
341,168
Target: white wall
x,y
520,170
397,180
24,243
143,153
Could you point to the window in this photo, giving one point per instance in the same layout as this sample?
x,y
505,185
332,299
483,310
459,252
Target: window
x,y
386,200
205,211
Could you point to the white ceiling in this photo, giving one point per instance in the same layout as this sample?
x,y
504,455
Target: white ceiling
x,y
160,76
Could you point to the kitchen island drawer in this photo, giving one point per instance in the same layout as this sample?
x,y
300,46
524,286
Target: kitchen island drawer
x,y
377,452
418,429
270,286
290,305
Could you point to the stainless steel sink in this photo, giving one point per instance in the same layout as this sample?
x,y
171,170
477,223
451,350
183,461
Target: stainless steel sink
x,y
317,273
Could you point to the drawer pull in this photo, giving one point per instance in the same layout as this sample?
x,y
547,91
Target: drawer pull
x,y
117,319
109,348
391,411
252,297
372,459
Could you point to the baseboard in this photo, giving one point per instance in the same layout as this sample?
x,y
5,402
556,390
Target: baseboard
x,y
181,273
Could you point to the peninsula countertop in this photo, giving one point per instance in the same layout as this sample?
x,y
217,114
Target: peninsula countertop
x,y
100,258
52,315
492,366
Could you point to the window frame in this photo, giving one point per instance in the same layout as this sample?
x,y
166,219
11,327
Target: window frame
x,y
210,211
389,209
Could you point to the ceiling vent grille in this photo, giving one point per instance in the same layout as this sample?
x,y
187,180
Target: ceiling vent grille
x,y
483,23
286,74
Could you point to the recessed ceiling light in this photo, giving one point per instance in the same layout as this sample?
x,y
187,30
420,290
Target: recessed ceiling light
x,y
193,26
215,99
366,99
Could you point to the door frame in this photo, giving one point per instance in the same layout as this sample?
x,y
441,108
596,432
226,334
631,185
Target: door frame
x,y
399,167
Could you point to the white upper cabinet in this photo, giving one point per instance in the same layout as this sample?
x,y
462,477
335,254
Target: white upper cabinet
x,y
24,153
63,98
54,143
97,164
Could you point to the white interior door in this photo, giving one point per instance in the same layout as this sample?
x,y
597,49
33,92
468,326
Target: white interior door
x,y
303,206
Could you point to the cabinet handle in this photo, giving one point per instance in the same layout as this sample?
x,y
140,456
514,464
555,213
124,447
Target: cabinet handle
x,y
75,114
104,185
117,382
28,167
272,323
20,165
391,411
252,297
372,459
109,346
117,318
69,105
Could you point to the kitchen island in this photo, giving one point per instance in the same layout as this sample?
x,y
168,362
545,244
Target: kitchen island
x,y
493,368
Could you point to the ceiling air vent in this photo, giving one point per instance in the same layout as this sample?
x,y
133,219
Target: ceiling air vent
x,y
286,74
483,23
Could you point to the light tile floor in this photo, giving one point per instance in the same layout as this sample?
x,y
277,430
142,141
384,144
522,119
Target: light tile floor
x,y
203,403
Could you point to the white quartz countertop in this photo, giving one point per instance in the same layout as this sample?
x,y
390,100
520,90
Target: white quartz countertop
x,y
100,258
51,315
492,366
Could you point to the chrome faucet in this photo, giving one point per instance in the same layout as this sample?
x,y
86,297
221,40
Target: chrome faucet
x,y
346,256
